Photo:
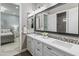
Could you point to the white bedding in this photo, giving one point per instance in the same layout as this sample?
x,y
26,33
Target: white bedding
x,y
5,32
9,33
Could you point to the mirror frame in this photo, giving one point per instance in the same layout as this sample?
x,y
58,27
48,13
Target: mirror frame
x,y
70,34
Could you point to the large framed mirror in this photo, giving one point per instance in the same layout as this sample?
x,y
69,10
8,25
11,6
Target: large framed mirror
x,y
61,19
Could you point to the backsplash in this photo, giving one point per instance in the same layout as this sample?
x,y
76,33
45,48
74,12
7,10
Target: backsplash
x,y
65,38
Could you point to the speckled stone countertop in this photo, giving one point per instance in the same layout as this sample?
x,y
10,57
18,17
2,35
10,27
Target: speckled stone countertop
x,y
65,38
74,50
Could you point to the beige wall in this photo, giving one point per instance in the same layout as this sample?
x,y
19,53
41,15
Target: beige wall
x,y
25,8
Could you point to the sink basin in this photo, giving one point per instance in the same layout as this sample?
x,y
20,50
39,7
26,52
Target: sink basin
x,y
39,36
61,43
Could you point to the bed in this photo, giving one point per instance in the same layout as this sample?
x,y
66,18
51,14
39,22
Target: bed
x,y
7,36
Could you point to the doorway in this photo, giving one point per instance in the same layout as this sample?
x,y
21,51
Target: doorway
x,y
61,22
10,29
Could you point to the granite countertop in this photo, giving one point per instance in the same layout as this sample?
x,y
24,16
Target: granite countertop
x,y
66,47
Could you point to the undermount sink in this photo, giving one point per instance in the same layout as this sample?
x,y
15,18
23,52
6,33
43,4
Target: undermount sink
x,y
61,43
39,36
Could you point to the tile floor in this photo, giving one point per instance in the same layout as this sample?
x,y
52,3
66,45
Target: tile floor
x,y
10,49
26,53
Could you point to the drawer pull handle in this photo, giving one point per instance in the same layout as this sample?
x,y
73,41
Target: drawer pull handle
x,y
49,48
38,49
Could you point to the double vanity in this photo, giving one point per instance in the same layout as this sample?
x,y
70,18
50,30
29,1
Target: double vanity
x,y
59,19
39,45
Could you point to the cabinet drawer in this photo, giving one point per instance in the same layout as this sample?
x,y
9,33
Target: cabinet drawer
x,y
33,47
56,51
38,48
38,44
47,53
38,52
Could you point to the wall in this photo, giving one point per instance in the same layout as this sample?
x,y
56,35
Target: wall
x,y
25,9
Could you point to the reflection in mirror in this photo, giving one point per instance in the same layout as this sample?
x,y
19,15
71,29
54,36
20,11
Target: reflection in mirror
x,y
45,22
38,22
61,22
61,19
41,21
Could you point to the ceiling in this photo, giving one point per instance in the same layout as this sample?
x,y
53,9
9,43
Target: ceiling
x,y
62,7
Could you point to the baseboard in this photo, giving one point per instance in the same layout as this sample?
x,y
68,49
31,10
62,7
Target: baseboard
x,y
21,51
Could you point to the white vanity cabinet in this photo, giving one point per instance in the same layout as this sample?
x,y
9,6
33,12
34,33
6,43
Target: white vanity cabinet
x,y
38,48
47,51
34,46
30,45
52,51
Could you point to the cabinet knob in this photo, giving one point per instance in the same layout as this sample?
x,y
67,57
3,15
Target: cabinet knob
x,y
38,49
49,48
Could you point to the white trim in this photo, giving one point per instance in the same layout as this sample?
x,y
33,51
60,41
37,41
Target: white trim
x,y
20,26
20,51
23,50
0,28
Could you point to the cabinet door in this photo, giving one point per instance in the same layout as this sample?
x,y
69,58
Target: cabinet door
x,y
33,47
47,53
38,48
50,50
29,44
